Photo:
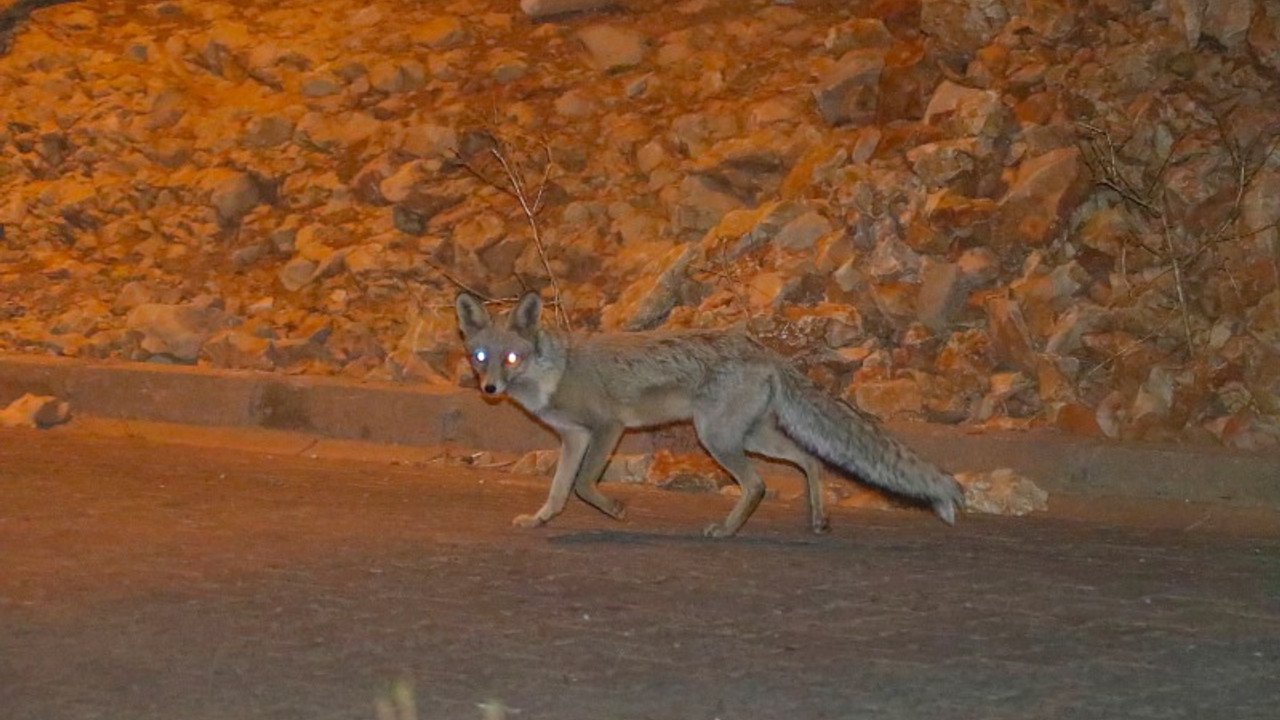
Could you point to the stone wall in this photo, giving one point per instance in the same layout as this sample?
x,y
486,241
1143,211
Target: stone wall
x,y
995,212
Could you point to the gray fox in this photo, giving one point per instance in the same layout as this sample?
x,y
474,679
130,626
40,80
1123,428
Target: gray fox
x,y
742,398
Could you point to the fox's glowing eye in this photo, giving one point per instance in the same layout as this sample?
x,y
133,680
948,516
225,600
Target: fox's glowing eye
x,y
481,356
513,358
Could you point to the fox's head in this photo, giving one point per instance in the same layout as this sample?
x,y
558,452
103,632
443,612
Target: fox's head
x,y
501,356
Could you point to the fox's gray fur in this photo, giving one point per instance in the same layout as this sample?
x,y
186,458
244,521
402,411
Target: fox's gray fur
x,y
741,397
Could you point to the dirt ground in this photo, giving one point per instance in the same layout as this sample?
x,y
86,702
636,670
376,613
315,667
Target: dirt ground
x,y
149,580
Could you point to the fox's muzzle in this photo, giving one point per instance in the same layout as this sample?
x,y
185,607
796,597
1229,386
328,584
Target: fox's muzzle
x,y
491,385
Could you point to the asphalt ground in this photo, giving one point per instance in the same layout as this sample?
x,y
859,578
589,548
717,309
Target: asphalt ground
x,y
143,576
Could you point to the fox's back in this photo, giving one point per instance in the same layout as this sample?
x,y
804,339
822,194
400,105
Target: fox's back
x,y
688,356
653,377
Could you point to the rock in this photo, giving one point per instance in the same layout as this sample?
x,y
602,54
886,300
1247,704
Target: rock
x,y
693,133
1004,391
174,331
763,291
1262,378
1245,430
1264,35
501,257
320,87
702,201
1108,230
1044,193
130,296
1188,17
234,348
1154,400
267,131
749,168
35,411
966,167
803,232
978,266
858,33
397,77
627,469
1043,293
428,140
506,66
909,76
952,219
1001,492
962,26
544,9
887,399
1053,21
942,292
576,104
747,230
332,134
611,48
440,32
892,260
774,111
686,473
647,302
1263,321
1228,21
290,352
651,156
400,184
849,93
1010,338
479,232
1260,209
1077,419
963,112
536,462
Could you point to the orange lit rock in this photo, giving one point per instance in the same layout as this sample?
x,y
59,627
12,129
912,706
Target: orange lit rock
x,y
890,398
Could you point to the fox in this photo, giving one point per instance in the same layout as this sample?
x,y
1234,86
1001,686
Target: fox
x,y
740,396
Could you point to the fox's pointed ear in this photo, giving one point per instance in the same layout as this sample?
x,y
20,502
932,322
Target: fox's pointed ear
x,y
472,315
524,319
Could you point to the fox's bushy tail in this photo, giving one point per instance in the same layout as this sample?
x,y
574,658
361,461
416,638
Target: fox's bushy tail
x,y
855,443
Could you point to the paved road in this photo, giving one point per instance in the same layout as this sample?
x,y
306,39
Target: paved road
x,y
140,580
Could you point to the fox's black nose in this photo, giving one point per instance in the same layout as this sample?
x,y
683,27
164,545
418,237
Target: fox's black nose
x,y
490,389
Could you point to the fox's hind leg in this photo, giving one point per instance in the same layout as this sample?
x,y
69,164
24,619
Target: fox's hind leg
x,y
766,439
723,428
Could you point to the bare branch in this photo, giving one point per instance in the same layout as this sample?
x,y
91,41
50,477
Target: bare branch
x,y
459,284
1174,262
514,185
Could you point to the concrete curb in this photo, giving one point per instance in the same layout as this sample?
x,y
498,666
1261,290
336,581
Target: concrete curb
x,y
425,416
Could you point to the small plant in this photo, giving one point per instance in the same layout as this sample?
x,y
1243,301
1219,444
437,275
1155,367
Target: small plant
x,y
399,703
506,163
1165,230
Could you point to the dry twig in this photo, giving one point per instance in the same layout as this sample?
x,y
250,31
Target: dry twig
x,y
1101,155
530,202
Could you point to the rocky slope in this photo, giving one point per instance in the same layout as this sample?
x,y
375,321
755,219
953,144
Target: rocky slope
x,y
1012,212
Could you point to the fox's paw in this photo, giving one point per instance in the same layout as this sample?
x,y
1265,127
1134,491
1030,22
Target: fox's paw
x,y
617,510
821,525
716,530
528,521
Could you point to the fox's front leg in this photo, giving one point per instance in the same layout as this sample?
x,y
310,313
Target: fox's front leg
x,y
603,441
574,442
